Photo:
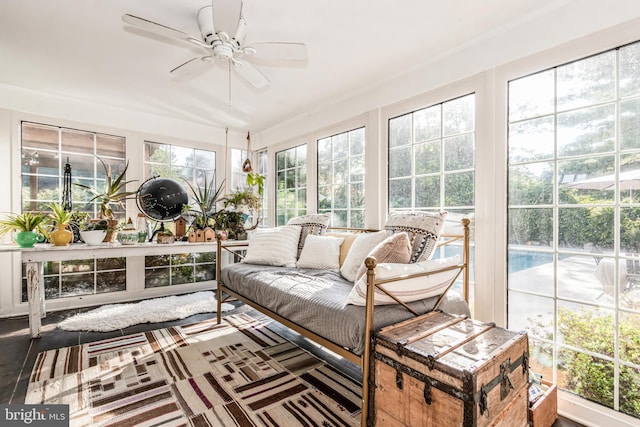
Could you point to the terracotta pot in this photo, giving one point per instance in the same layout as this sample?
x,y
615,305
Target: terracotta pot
x,y
112,233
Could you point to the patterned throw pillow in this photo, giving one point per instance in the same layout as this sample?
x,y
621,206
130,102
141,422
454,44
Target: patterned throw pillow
x,y
423,228
320,252
311,224
395,248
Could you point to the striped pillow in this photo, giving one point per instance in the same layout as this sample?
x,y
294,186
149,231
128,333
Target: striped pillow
x,y
407,290
274,246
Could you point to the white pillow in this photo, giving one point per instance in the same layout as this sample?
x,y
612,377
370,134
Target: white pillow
x,y
320,252
274,246
361,247
407,290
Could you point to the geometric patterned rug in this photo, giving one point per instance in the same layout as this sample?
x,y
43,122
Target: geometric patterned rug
x,y
237,373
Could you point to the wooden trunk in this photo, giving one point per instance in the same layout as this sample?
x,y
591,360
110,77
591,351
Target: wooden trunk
x,y
444,370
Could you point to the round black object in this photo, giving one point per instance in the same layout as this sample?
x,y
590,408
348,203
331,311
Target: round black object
x,y
161,199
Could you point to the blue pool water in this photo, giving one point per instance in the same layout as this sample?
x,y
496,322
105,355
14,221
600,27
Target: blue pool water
x,y
521,260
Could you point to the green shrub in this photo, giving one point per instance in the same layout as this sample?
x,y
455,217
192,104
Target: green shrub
x,y
593,377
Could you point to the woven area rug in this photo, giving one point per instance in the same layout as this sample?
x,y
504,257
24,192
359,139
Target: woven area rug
x,y
237,373
112,317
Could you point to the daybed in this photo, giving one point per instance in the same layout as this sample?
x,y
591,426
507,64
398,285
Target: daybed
x,y
313,302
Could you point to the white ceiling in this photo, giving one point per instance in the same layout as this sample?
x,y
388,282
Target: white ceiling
x,y
81,49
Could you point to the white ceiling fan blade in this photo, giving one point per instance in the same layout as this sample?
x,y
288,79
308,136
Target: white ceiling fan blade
x,y
278,50
160,29
192,67
251,74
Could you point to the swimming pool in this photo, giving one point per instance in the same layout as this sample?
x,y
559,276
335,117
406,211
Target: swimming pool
x,y
521,260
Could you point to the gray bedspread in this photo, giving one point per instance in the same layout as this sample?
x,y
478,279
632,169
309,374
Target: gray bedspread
x,y
316,300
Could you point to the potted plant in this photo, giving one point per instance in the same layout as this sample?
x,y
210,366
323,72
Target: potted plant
x,y
114,193
205,198
93,233
61,235
245,201
29,227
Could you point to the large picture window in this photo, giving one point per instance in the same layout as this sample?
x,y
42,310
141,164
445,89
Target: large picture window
x,y
45,150
573,221
291,183
341,178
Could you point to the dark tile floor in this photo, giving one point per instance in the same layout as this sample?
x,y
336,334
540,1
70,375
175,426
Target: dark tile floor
x,y
18,351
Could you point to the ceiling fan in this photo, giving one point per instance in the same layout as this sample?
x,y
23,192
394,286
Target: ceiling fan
x,y
222,36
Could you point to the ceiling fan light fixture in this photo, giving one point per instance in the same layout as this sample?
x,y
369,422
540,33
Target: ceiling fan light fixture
x,y
223,51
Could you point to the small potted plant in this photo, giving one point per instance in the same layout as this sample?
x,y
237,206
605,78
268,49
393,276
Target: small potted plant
x,y
29,227
93,233
61,234
203,210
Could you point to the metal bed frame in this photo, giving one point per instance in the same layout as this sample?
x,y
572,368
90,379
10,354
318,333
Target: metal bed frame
x,y
364,359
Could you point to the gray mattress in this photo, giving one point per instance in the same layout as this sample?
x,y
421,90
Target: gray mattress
x,y
316,300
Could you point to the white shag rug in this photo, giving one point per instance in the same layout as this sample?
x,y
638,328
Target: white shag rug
x,y
118,316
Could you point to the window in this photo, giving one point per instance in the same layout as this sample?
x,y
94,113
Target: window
x,y
431,157
181,164
168,270
291,182
238,176
45,150
432,164
573,221
341,178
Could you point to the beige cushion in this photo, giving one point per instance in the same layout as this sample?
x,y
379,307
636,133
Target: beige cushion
x,y
362,245
320,252
347,241
424,230
395,249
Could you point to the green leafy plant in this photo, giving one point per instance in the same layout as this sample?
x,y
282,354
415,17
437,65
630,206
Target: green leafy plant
x,y
58,214
243,199
95,225
205,198
255,179
592,376
27,221
113,193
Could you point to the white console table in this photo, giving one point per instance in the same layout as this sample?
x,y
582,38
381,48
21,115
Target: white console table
x,y
36,256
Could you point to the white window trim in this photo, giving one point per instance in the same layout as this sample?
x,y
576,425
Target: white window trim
x,y
574,407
